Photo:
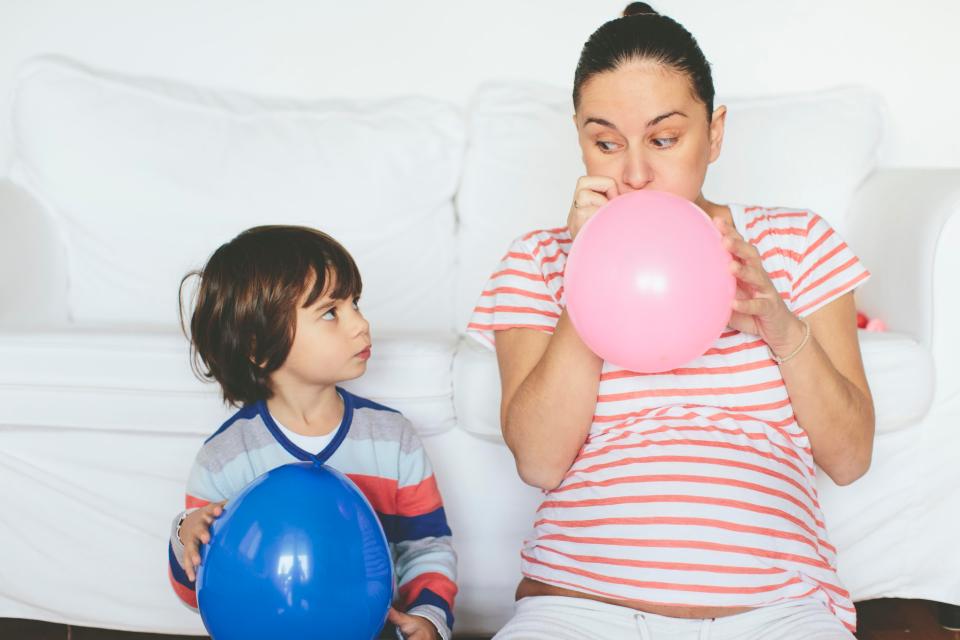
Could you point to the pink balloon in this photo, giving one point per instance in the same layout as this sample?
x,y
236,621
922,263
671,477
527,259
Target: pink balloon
x,y
648,282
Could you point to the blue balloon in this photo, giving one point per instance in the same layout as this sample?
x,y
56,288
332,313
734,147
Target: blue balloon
x,y
299,554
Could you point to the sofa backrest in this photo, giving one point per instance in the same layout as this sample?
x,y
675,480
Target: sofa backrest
x,y
146,178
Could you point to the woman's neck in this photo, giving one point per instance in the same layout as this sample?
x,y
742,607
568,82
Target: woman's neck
x,y
714,210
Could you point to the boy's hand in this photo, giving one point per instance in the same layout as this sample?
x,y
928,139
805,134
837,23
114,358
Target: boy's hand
x,y
413,627
195,531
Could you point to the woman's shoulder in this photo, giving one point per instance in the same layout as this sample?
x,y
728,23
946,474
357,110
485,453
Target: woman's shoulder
x,y
557,237
754,220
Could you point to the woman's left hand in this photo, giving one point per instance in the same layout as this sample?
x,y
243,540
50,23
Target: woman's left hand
x,y
758,308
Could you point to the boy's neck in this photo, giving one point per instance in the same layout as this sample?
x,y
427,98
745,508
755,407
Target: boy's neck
x,y
309,412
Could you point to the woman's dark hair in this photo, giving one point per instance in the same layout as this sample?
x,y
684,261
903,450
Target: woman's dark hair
x,y
245,308
643,34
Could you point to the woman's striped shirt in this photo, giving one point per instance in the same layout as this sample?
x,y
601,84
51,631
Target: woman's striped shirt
x,y
694,486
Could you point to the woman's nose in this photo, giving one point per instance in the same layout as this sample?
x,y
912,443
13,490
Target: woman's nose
x,y
637,172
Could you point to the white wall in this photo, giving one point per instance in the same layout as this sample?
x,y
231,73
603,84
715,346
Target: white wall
x,y
908,52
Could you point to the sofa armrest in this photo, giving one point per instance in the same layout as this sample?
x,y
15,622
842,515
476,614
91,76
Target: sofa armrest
x,y
905,225
33,284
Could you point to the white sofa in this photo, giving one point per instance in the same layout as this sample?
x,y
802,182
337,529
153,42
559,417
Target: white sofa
x,y
119,185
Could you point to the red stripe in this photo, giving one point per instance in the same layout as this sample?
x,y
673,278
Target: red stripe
x,y
693,443
387,498
693,479
509,309
690,544
503,327
518,256
671,498
189,596
420,498
780,251
774,231
670,586
827,276
669,566
555,230
518,273
833,292
774,216
194,502
748,366
436,582
381,492
720,462
837,249
735,348
704,391
816,244
789,451
554,257
686,522
519,292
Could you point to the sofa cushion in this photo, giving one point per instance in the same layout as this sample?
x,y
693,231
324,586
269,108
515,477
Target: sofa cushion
x,y
899,370
141,381
807,150
148,177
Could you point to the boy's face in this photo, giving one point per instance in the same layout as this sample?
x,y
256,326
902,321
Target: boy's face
x,y
331,343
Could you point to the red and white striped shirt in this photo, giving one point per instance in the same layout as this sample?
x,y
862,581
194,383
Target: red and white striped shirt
x,y
695,486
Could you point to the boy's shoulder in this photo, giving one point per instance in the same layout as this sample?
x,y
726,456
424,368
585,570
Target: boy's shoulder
x,y
241,433
374,421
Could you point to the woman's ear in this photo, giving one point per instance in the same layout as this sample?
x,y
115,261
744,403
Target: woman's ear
x,y
716,131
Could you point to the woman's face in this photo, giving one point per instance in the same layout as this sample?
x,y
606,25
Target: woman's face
x,y
642,125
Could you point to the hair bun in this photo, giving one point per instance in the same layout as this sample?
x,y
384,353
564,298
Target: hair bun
x,y
639,8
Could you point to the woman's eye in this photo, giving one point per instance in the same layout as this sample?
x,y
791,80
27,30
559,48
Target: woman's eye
x,y
664,143
606,145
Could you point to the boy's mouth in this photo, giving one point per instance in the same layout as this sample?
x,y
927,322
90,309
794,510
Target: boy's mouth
x,y
364,355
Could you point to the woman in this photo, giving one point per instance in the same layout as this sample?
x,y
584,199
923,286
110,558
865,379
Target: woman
x,y
682,502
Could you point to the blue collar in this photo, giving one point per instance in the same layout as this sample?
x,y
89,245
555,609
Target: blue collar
x,y
296,451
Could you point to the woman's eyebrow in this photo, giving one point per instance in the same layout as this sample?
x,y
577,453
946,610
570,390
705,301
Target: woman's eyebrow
x,y
601,122
665,116
607,123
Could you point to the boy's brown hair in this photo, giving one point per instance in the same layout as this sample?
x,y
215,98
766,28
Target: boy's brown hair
x,y
245,308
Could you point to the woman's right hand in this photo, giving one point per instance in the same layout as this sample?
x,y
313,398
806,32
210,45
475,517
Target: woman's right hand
x,y
195,531
592,192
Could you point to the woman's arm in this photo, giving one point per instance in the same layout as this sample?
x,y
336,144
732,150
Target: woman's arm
x,y
829,391
548,395
825,379
549,382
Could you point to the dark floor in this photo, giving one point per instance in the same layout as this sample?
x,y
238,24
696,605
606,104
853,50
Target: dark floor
x,y
887,619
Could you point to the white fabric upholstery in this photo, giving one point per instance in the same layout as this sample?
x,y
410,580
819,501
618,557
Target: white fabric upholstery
x,y
130,181
140,381
147,177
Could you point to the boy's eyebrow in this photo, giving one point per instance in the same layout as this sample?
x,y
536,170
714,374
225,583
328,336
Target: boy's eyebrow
x,y
607,123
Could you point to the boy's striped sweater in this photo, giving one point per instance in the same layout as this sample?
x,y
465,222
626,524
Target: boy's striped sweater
x,y
378,449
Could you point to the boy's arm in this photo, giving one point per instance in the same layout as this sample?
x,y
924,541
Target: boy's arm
x,y
426,563
201,491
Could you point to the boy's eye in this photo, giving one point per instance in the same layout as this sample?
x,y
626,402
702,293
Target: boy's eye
x,y
331,314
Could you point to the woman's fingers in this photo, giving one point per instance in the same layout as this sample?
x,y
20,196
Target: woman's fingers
x,y
599,184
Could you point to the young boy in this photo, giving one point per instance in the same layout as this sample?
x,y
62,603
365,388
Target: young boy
x,y
276,323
